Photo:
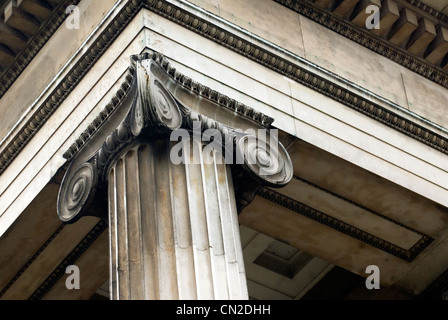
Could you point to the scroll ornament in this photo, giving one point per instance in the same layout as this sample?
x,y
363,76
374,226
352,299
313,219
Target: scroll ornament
x,y
154,111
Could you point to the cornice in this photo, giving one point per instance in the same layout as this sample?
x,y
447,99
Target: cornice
x,y
31,260
235,43
341,226
298,73
36,43
368,40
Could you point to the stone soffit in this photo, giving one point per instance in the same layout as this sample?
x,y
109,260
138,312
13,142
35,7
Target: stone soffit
x,y
218,34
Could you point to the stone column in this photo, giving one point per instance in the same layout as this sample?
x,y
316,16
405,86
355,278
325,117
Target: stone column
x,y
173,228
173,225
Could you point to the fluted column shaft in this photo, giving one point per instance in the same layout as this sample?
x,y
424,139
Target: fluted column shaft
x,y
174,230
173,225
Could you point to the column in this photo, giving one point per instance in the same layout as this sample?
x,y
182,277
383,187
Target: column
x,y
174,230
173,225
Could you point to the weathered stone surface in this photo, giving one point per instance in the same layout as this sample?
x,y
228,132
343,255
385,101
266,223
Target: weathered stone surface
x,y
174,230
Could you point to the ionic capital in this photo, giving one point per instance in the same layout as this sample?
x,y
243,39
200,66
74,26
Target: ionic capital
x,y
156,100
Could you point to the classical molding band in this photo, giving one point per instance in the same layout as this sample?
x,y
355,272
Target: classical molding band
x,y
234,43
157,102
341,226
70,259
34,45
360,36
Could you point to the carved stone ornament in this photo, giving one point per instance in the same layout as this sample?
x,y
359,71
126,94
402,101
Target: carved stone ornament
x,y
155,100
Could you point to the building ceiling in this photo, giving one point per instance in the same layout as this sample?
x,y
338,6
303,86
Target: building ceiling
x,y
352,218
276,270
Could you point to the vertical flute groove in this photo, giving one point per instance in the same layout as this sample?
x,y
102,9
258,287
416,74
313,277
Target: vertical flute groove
x,y
167,260
214,216
148,222
122,232
199,228
183,237
226,230
112,237
133,217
